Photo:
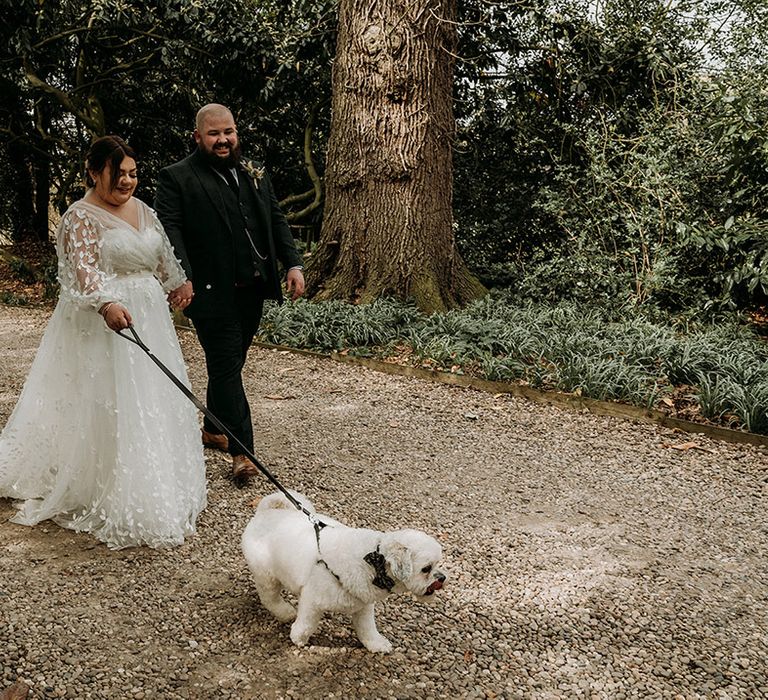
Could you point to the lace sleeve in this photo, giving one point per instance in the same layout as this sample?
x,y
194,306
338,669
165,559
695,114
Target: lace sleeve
x,y
169,270
83,279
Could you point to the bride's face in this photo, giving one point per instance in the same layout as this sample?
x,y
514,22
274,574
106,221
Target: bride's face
x,y
123,187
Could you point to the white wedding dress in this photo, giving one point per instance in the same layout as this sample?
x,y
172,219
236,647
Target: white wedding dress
x,y
101,440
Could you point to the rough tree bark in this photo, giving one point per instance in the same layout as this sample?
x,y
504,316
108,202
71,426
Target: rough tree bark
x,y
388,223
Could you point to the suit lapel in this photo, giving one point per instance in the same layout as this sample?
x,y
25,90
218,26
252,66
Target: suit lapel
x,y
207,179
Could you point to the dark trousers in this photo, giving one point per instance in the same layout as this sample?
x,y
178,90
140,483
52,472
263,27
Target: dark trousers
x,y
225,342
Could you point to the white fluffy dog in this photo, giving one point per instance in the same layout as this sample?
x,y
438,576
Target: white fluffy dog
x,y
336,568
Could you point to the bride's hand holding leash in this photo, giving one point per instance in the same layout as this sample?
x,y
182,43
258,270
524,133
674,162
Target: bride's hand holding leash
x,y
116,315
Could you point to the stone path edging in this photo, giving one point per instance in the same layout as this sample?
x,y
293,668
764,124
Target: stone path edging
x,y
570,401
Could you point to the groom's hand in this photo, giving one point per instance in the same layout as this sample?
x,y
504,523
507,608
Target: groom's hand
x,y
181,297
295,283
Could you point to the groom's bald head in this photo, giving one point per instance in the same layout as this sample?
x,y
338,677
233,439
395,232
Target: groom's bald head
x,y
211,111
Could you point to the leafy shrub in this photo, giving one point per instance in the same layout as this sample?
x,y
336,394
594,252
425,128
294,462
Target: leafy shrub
x,y
13,299
336,325
621,168
592,351
22,270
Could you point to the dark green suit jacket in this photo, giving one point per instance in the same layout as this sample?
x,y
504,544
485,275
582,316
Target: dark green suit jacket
x,y
191,208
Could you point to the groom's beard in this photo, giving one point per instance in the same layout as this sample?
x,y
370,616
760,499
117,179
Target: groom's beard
x,y
220,163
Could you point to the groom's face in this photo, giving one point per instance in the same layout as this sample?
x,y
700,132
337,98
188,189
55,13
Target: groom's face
x,y
218,139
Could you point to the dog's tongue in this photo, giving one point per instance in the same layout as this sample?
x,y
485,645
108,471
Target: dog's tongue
x,y
434,586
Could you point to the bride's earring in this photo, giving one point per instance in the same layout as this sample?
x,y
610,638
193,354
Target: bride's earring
x,y
97,188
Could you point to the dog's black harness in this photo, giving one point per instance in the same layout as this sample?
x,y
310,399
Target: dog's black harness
x,y
320,560
375,559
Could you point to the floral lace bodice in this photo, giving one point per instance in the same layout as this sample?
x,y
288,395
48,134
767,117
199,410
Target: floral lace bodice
x,y
95,247
100,441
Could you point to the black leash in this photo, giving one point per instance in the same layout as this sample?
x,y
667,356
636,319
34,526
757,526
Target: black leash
x,y
374,559
136,340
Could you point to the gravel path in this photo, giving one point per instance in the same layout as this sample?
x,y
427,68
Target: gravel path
x,y
587,557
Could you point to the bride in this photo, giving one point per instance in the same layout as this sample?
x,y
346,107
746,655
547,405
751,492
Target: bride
x,y
100,440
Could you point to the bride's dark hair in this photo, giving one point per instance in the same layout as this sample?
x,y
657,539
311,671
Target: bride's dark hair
x,y
107,150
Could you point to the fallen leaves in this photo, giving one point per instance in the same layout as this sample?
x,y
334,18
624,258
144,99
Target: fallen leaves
x,y
18,691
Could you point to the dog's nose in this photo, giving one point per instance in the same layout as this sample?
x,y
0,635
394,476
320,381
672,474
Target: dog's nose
x,y
440,577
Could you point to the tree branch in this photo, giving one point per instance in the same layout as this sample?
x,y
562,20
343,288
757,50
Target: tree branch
x,y
92,123
295,198
123,68
317,181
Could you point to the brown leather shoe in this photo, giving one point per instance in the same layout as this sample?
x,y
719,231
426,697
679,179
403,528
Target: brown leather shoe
x,y
243,468
215,441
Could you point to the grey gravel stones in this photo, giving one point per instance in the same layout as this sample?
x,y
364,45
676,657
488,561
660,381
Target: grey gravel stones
x,y
586,557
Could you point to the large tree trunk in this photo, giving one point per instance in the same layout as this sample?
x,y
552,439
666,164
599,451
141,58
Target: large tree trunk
x,y
23,192
388,222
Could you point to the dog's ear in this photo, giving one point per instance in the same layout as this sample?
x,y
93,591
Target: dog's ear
x,y
398,557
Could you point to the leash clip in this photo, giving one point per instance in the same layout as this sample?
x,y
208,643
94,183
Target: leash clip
x,y
316,522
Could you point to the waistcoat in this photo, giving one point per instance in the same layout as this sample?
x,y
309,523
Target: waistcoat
x,y
243,214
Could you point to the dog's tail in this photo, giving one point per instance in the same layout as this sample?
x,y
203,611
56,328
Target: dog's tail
x,y
278,500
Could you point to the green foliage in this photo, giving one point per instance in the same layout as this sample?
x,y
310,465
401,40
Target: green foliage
x,y
336,325
35,269
22,270
13,299
750,404
735,235
724,399
603,157
611,152
71,70
592,351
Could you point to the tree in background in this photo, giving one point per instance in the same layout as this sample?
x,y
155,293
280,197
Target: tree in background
x,y
605,137
74,69
608,151
388,223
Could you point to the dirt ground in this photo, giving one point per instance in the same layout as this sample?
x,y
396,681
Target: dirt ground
x,y
587,557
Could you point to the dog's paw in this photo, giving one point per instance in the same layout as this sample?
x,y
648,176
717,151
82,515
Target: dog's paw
x,y
284,613
378,644
299,635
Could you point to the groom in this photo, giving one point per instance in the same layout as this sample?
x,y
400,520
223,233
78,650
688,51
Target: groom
x,y
222,217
